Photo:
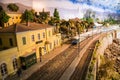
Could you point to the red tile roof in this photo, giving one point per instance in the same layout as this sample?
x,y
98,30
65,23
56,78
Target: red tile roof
x,y
22,27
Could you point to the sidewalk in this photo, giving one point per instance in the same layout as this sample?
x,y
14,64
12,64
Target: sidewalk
x,y
35,67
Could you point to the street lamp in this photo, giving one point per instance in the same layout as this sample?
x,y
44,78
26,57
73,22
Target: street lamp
x,y
40,52
78,30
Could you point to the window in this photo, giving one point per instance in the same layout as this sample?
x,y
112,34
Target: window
x,y
3,69
52,31
15,64
33,38
38,36
12,17
45,49
0,41
57,42
54,44
49,33
11,41
24,40
50,45
43,35
16,17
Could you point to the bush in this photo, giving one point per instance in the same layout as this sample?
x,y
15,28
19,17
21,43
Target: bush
x,y
13,7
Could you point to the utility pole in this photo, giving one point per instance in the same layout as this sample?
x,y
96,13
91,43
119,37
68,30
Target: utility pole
x,y
78,30
79,42
40,53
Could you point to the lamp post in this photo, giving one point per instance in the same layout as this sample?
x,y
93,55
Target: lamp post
x,y
78,30
79,41
40,52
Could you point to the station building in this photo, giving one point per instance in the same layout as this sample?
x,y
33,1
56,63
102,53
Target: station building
x,y
22,46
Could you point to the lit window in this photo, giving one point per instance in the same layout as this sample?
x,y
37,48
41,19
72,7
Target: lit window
x,y
0,41
24,40
11,41
38,36
33,38
3,69
43,35
15,64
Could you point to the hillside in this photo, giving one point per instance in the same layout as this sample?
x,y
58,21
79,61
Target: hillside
x,y
21,7
110,67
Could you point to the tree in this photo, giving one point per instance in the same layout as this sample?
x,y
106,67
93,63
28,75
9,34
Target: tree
x,y
13,7
43,16
27,16
3,18
56,14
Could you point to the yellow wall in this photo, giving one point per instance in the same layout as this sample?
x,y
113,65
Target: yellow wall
x,y
5,40
7,57
14,18
30,46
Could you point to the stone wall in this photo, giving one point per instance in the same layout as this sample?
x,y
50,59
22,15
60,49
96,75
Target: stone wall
x,y
101,45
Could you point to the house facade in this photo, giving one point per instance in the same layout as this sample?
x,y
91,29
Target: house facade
x,y
15,17
22,46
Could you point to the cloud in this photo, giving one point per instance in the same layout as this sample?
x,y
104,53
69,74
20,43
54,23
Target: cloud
x,y
105,4
40,4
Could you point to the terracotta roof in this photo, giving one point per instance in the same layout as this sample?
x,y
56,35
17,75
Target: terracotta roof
x,y
22,27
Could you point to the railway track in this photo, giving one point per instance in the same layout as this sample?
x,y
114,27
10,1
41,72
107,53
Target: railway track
x,y
81,69
54,68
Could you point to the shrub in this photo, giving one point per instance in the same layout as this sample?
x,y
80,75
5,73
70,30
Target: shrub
x,y
13,7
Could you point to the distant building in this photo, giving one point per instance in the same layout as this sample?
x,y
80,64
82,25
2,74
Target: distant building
x,y
22,46
15,17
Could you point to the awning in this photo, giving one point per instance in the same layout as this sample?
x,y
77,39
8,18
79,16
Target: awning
x,y
28,60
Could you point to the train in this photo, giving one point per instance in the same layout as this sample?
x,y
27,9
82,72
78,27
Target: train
x,y
83,36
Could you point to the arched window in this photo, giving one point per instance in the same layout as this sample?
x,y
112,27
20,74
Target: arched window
x,y
15,64
3,68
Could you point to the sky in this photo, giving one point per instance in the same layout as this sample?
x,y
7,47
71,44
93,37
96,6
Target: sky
x,y
100,5
111,6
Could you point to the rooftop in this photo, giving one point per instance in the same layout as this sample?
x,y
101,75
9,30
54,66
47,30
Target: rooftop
x,y
21,27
